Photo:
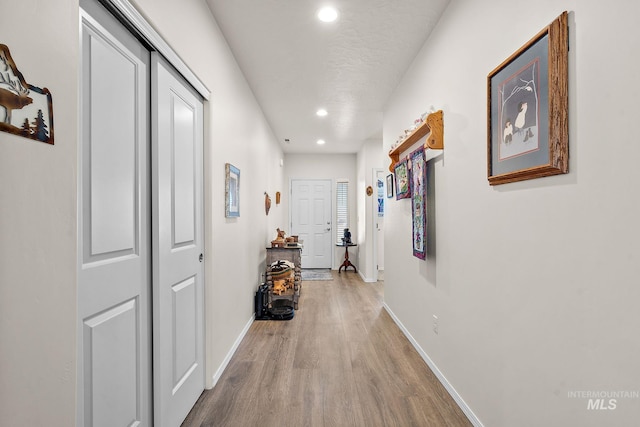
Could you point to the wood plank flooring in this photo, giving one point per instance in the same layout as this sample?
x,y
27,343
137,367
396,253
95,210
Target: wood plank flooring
x,y
341,361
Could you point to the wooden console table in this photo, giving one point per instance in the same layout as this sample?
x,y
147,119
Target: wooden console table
x,y
346,263
293,254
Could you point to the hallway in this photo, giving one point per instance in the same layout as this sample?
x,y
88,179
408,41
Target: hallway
x,y
341,361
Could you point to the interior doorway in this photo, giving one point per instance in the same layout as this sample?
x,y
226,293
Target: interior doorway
x,y
379,213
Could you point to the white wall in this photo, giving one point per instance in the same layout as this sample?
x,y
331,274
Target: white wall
x,y
323,166
235,132
38,225
535,283
370,157
38,216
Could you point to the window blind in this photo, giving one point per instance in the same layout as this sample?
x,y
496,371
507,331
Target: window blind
x,y
342,209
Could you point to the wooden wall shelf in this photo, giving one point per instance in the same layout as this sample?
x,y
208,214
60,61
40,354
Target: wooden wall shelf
x,y
432,127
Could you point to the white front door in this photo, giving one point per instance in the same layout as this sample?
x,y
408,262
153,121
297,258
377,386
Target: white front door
x,y
311,220
178,274
114,369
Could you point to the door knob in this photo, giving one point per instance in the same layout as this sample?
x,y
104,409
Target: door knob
x,y
328,229
201,257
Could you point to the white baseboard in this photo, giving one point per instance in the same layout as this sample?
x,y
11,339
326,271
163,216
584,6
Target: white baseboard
x,y
364,279
443,380
232,351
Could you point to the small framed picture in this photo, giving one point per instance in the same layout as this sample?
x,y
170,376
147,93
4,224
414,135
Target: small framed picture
x,y
232,191
390,185
403,185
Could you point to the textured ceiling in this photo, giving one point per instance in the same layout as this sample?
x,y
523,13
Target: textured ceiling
x,y
296,64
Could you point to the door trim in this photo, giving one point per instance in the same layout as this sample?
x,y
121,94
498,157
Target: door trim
x,y
374,226
332,187
140,27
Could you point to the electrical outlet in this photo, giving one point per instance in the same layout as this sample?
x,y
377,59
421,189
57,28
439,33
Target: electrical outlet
x,y
435,324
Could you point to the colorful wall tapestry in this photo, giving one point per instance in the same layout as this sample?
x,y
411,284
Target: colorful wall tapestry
x,y
418,186
25,110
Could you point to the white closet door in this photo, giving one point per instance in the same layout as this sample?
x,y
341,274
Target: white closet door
x,y
178,318
114,372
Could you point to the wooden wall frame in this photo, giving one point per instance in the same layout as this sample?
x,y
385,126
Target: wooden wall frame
x,y
527,141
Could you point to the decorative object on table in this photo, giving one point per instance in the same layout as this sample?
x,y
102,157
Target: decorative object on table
x,y
292,242
277,198
282,275
267,203
403,185
528,131
369,190
279,241
25,110
346,237
281,269
418,202
278,287
232,191
390,186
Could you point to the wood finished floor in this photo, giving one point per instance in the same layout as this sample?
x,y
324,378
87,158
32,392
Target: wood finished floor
x,y
341,361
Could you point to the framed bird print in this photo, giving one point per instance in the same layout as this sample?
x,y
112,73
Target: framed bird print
x,y
527,107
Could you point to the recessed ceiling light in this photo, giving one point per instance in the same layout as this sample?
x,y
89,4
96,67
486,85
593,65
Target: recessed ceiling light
x,y
320,142
322,112
327,14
